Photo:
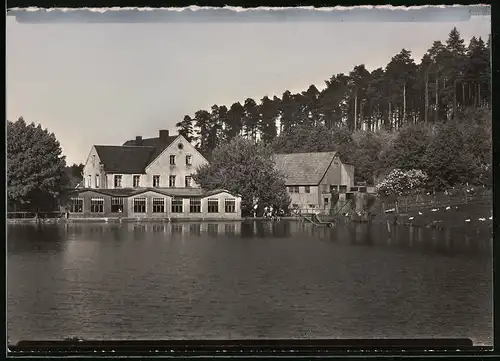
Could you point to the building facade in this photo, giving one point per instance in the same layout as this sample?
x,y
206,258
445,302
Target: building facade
x,y
311,177
163,162
149,179
155,203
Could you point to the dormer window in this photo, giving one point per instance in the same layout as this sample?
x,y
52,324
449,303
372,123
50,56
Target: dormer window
x,y
172,159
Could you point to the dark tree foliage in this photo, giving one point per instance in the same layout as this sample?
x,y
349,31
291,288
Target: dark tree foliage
x,y
35,166
447,162
409,98
73,175
245,167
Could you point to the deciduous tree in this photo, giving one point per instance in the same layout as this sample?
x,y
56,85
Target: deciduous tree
x,y
245,167
35,166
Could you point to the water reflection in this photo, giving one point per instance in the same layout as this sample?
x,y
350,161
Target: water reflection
x,y
51,238
253,278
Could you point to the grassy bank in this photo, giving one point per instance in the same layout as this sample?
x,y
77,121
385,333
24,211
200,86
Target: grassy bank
x,y
469,218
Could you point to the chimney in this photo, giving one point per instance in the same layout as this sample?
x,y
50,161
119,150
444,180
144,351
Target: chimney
x,y
138,140
163,135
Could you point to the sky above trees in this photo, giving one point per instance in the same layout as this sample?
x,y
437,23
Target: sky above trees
x,y
106,83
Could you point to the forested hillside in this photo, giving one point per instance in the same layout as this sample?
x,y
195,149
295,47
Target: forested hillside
x,y
376,120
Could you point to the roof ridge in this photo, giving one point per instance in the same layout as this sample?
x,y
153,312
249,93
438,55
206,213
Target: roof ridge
x,y
327,152
122,146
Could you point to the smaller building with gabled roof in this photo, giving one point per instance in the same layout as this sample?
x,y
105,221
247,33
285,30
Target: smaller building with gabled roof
x,y
311,177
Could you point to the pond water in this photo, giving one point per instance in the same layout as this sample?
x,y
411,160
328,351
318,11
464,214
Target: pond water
x,y
246,280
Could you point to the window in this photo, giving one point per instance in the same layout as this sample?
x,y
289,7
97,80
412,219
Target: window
x,y
76,205
180,146
156,181
188,159
89,184
93,160
195,205
230,205
294,189
171,181
118,181
158,205
172,159
312,206
342,189
97,205
187,181
177,205
97,182
136,180
362,189
307,189
213,205
325,201
139,205
297,189
354,189
116,204
334,188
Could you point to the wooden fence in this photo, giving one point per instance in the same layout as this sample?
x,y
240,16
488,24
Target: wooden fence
x,y
31,215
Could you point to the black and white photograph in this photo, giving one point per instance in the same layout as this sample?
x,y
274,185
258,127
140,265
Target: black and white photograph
x,y
249,174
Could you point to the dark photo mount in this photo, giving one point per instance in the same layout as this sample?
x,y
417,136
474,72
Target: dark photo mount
x,y
448,347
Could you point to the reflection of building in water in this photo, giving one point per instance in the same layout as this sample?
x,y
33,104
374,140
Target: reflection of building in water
x,y
188,228
194,229
213,229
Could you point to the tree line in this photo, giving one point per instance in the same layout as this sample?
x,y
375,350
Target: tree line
x,y
450,78
434,116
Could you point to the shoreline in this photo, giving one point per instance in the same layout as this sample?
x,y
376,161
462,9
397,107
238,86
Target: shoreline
x,y
115,220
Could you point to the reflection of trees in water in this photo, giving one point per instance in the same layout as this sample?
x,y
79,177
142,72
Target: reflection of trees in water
x,y
35,238
333,232
447,241
360,234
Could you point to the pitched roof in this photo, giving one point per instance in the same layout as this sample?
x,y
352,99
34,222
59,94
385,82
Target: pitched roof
x,y
130,158
124,159
304,168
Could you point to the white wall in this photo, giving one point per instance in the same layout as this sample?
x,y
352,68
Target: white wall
x,y
161,166
92,169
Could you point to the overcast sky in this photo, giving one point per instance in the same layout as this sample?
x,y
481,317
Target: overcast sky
x,y
106,83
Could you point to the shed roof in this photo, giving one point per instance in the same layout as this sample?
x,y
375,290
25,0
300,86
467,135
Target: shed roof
x,y
171,192
304,168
